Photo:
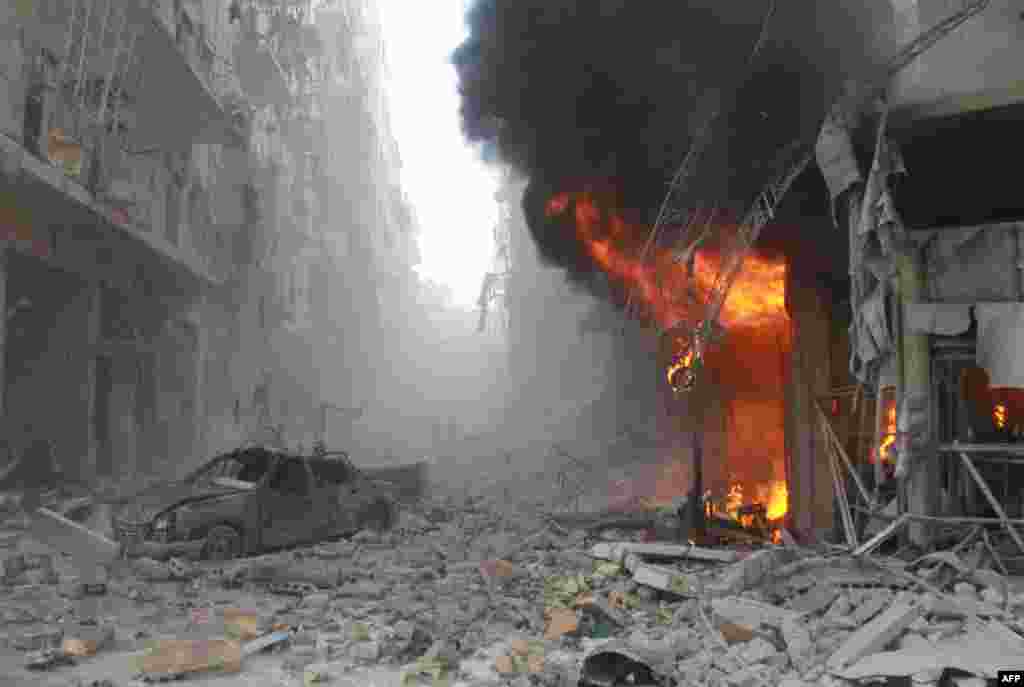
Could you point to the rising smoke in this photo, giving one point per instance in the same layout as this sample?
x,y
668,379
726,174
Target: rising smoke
x,y
608,94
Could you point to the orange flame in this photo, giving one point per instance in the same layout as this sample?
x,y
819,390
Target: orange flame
x,y
890,431
999,416
757,297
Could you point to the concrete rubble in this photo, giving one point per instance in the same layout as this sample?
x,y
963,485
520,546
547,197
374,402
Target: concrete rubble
x,y
478,597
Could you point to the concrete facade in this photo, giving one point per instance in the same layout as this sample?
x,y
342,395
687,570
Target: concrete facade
x,y
170,289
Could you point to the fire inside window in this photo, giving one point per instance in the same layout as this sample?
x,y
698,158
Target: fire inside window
x,y
888,428
999,416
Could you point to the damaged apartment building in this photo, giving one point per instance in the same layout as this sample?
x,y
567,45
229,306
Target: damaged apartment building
x,y
922,387
172,282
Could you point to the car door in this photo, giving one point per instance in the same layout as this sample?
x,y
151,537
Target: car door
x,y
290,504
335,496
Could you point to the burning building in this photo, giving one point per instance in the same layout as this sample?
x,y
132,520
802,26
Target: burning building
x,y
599,135
859,367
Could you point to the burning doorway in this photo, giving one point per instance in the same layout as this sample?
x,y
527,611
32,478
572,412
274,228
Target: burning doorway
x,y
740,408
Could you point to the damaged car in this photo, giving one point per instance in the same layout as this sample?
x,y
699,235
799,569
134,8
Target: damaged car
x,y
250,501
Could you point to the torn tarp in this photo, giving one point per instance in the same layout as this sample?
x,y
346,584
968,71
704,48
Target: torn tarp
x,y
871,338
973,264
836,159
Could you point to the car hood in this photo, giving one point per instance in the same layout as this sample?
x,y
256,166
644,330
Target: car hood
x,y
150,502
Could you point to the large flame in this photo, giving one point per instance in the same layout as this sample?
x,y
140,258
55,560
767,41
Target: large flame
x,y
776,498
757,297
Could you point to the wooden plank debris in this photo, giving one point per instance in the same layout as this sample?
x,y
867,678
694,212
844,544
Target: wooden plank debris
x,y
877,540
996,506
173,657
85,640
874,636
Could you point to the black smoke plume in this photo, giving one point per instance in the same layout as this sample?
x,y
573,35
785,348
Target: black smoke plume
x,y
609,94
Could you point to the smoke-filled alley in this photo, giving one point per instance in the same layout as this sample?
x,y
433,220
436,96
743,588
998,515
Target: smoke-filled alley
x,y
576,343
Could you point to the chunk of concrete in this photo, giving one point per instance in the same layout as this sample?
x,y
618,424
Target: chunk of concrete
x,y
666,580
799,644
752,613
874,636
752,570
618,551
870,607
816,600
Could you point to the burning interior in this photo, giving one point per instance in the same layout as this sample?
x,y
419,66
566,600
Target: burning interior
x,y
744,432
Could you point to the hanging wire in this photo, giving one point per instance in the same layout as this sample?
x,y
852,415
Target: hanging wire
x,y
700,144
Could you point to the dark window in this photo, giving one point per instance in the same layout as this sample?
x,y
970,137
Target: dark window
x,y
291,478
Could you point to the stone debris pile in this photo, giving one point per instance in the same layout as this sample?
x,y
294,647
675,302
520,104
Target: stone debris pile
x,y
460,594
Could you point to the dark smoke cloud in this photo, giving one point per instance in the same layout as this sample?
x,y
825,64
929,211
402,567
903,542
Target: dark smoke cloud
x,y
577,92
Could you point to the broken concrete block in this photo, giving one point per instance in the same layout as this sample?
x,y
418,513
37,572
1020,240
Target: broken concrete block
x,y
912,640
817,599
618,551
965,590
667,580
993,596
319,600
758,651
870,607
752,613
799,644
874,636
34,638
365,651
752,570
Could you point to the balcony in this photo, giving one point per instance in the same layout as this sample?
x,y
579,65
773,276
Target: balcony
x,y
176,105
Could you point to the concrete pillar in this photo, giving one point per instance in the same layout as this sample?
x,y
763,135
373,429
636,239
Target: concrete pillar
x,y
920,468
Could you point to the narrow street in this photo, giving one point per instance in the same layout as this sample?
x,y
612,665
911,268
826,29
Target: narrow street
x,y
511,343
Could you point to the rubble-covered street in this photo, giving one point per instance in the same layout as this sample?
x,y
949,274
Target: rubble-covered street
x,y
511,343
461,593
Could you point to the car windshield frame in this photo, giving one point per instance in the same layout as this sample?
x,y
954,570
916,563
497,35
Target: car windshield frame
x,y
195,475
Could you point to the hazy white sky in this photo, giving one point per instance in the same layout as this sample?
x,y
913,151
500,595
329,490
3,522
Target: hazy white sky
x,y
451,189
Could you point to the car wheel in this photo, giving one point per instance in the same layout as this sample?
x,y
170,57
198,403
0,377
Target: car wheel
x,y
380,516
222,544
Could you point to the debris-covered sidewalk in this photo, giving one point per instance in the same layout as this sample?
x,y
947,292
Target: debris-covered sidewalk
x,y
461,595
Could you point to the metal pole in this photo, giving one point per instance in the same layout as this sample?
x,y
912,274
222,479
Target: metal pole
x,y
697,500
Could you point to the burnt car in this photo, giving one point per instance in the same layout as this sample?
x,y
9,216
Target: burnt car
x,y
252,500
